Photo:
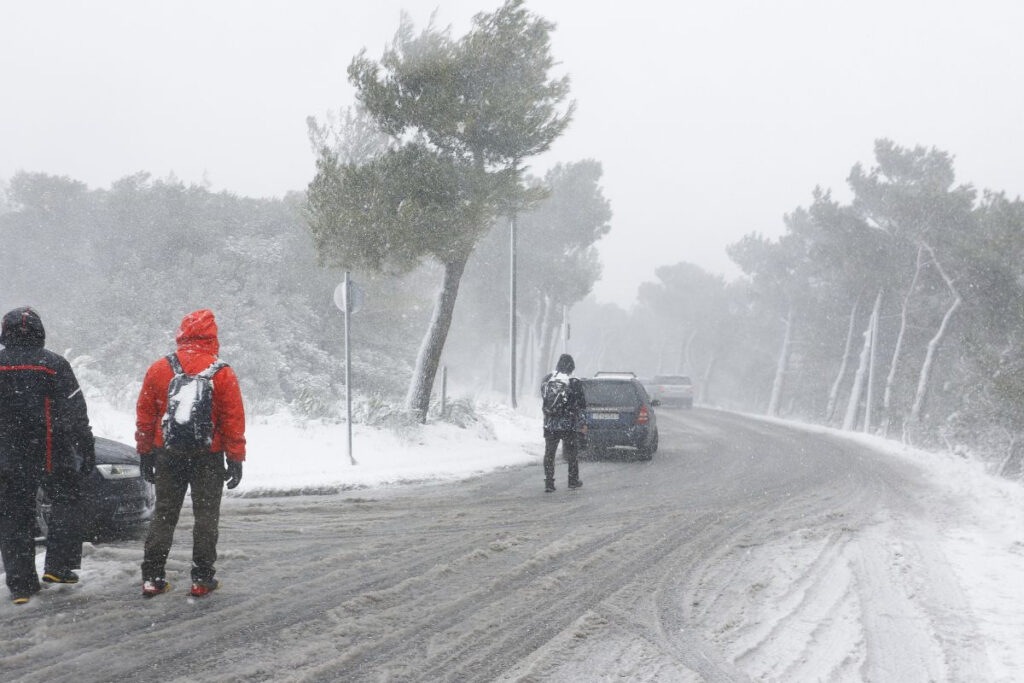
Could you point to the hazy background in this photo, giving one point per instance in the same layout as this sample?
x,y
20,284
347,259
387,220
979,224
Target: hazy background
x,y
712,120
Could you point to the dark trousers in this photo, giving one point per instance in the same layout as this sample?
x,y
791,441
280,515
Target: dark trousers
x,y
64,536
175,473
18,525
17,522
569,452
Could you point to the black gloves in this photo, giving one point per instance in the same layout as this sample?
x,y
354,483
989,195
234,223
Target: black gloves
x,y
88,460
147,462
233,474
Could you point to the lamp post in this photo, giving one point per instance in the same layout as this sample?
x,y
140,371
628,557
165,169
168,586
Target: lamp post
x,y
512,310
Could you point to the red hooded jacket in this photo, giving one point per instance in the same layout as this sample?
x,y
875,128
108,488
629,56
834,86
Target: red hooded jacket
x,y
197,349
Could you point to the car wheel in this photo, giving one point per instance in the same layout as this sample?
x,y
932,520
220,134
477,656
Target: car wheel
x,y
647,452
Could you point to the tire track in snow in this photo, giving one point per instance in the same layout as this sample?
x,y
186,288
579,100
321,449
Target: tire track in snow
x,y
743,550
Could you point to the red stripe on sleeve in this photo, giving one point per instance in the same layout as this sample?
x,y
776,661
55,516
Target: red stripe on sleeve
x,y
40,368
49,437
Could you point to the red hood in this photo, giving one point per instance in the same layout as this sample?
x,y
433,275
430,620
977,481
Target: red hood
x,y
198,332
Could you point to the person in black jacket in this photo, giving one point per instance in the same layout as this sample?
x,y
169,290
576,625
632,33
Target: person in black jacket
x,y
45,440
564,420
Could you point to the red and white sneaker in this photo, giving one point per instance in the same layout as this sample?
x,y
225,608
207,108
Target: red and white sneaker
x,y
154,587
203,588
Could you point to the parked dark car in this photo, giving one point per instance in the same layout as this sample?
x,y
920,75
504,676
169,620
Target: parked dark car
x,y
115,498
621,374
675,390
620,414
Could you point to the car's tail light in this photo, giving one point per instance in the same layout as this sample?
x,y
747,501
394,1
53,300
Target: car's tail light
x,y
643,417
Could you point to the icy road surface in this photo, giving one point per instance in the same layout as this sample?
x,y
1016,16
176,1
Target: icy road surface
x,y
744,550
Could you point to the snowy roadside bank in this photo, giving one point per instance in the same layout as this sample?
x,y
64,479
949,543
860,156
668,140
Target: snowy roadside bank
x,y
291,456
979,520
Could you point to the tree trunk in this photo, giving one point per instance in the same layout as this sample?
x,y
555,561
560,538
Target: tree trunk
x,y
602,350
541,362
549,335
933,343
537,362
532,343
853,407
890,380
525,356
687,359
833,394
681,358
780,367
417,401
1010,467
496,366
705,383
544,351
869,402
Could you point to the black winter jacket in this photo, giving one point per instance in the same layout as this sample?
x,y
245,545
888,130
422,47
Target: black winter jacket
x,y
43,417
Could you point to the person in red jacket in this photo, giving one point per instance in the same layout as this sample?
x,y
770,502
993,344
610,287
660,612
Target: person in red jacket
x,y
200,465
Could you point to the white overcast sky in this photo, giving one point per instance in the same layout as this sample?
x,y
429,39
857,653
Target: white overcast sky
x,y
711,119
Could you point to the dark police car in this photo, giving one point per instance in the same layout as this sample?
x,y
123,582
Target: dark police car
x,y
620,414
115,498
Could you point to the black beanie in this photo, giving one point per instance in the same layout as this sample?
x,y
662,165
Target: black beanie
x,y
22,327
565,364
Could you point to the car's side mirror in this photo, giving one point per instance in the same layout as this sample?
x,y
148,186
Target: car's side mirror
x,y
655,402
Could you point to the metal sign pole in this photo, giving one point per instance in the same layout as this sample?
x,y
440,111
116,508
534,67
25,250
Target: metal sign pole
x,y
348,368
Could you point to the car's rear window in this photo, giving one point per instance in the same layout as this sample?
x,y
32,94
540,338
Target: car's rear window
x,y
610,393
672,379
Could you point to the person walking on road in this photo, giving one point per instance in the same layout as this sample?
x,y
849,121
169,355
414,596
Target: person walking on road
x,y
45,440
189,418
564,420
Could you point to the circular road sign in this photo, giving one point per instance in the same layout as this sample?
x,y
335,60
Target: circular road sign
x,y
357,296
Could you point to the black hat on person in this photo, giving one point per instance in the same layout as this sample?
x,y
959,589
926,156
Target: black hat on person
x,y
565,364
22,327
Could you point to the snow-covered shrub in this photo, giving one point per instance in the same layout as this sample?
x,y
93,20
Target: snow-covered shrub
x,y
376,411
462,412
98,385
314,398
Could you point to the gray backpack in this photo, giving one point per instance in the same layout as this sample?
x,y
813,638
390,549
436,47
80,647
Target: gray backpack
x,y
555,397
187,424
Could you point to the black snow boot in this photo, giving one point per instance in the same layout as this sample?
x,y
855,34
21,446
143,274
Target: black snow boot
x,y
549,485
60,576
575,483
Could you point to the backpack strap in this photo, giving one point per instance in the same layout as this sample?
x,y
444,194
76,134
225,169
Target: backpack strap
x,y
175,364
209,372
214,368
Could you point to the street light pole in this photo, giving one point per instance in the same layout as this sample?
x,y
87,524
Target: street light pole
x,y
512,310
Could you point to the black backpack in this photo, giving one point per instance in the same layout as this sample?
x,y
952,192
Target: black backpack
x,y
187,424
555,395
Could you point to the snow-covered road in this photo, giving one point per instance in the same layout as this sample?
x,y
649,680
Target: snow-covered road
x,y
744,550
